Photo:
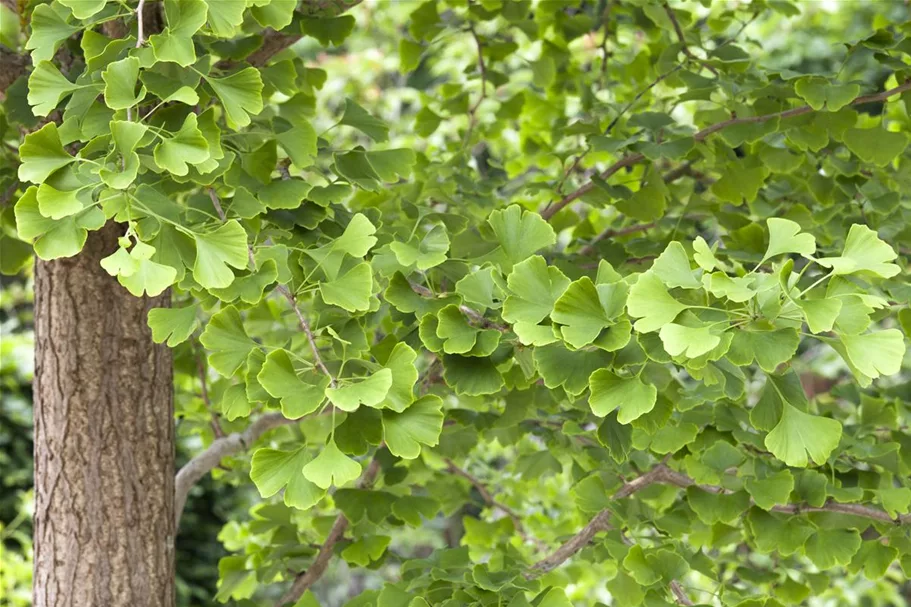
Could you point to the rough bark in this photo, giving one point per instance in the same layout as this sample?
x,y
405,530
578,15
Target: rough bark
x,y
104,440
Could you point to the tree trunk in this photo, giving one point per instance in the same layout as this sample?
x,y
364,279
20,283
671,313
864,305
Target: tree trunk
x,y
104,439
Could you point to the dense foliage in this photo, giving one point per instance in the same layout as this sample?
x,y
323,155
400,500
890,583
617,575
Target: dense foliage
x,y
602,299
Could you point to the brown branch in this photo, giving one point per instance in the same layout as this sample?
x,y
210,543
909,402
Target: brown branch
x,y
679,593
481,67
208,460
635,158
664,475
314,572
682,39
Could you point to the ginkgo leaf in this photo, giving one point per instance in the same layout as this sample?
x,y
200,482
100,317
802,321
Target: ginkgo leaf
x,y
785,237
458,336
650,302
215,251
42,153
704,256
585,309
828,548
50,27
120,80
363,121
272,470
234,402
401,364
280,379
47,87
186,146
147,277
768,346
420,424
482,289
877,146
689,341
819,93
820,313
175,43
800,434
874,354
351,290
630,396
227,341
672,267
426,253
172,324
772,490
240,94
520,233
370,391
864,253
331,467
223,18
534,289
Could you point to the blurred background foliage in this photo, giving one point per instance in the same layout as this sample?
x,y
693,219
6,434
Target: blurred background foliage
x,y
366,67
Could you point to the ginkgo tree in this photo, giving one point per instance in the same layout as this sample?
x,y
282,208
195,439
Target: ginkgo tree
x,y
575,294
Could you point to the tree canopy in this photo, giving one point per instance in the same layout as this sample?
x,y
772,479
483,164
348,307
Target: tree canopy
x,y
606,300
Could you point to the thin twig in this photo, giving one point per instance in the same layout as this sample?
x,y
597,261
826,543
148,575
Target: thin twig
x,y
492,502
140,37
204,389
305,327
615,233
314,572
679,593
682,38
605,19
469,312
482,67
632,159
208,460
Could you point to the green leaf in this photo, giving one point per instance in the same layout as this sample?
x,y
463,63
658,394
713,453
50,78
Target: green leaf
x,y
800,434
714,508
481,288
332,467
630,396
53,239
370,391
299,397
391,165
299,142
172,324
520,233
409,55
873,355
225,17
234,402
896,500
272,470
784,534
359,118
329,30
47,87
175,43
240,95
828,548
739,184
876,146
691,342
650,302
586,309
768,347
57,204
458,336
772,490
50,27
471,376
404,377
227,341
820,313
419,424
673,268
365,550
785,237
188,145
351,290
42,153
215,251
275,14
819,93
147,276
426,253
864,254
120,79
534,289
